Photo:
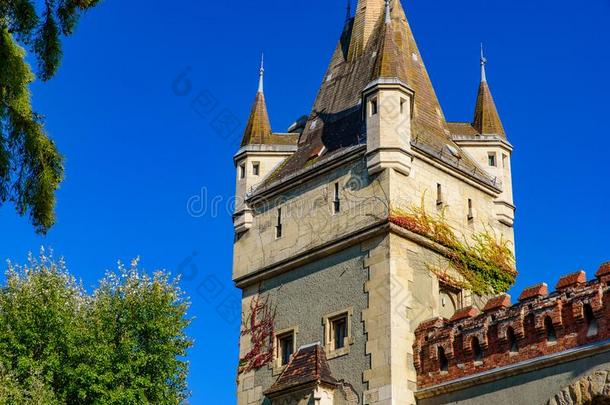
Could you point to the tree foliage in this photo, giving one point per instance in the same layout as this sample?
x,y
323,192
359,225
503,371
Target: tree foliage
x,y
123,344
31,167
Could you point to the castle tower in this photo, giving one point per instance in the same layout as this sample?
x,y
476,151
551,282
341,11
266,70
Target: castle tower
x,y
348,240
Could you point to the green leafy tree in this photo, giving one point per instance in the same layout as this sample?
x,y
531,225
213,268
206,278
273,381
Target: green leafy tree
x,y
31,167
123,344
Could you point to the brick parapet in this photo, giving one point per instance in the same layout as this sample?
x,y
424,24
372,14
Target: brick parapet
x,y
578,311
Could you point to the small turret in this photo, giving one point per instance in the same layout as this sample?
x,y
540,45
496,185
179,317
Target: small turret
x,y
388,102
485,140
258,129
486,118
261,151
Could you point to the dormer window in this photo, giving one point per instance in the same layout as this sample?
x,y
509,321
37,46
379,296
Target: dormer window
x,y
491,157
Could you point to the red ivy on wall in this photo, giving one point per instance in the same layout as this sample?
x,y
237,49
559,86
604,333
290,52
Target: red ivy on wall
x,y
259,324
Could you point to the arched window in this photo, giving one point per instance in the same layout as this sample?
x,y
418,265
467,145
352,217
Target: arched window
x,y
512,340
442,359
590,319
477,352
551,336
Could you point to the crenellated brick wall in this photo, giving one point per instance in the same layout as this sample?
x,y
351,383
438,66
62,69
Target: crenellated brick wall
x,y
576,314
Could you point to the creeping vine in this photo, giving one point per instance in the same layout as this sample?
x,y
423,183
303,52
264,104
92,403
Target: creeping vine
x,y
486,264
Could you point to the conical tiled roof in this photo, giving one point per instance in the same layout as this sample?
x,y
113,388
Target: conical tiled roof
x,y
369,49
258,130
389,62
486,118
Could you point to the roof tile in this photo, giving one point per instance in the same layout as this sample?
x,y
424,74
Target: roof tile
x,y
307,365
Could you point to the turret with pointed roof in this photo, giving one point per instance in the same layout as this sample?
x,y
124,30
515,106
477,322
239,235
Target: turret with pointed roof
x,y
486,118
258,130
260,152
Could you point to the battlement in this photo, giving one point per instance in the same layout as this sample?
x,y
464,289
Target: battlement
x,y
540,324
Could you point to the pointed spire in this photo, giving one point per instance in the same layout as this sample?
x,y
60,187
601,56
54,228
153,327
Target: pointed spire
x,y
261,74
258,130
486,118
368,14
349,10
388,12
389,63
483,64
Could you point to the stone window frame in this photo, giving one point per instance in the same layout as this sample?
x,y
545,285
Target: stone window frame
x,y
373,107
329,344
256,168
492,159
276,365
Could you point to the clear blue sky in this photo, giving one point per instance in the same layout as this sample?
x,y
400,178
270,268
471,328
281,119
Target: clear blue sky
x,y
136,152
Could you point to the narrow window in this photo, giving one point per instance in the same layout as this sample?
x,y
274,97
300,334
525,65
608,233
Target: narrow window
x,y
504,161
285,344
439,194
470,214
402,105
492,159
374,106
591,321
512,340
242,170
442,359
551,336
339,331
477,352
278,227
256,168
337,200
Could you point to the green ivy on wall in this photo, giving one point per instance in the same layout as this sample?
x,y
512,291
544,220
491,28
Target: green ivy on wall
x,y
486,264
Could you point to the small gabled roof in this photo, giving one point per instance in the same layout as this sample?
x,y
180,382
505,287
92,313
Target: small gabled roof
x,y
307,366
